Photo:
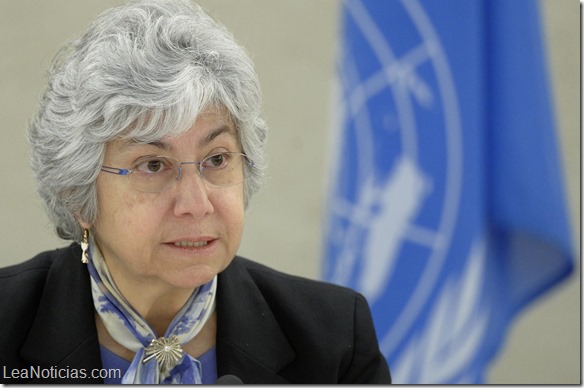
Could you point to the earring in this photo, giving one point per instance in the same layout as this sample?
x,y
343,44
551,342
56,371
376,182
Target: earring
x,y
85,247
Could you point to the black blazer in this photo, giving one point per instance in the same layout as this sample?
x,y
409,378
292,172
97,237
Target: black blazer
x,y
271,327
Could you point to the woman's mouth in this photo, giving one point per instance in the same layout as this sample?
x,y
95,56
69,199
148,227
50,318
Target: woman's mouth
x,y
197,244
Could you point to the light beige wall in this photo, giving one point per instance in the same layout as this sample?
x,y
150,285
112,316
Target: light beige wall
x,y
292,43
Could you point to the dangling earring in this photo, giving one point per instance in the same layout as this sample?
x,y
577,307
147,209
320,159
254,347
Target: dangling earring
x,y
85,247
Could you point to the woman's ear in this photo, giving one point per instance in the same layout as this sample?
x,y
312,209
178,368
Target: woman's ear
x,y
84,224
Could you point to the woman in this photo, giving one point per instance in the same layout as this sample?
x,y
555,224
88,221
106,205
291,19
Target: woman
x,y
147,148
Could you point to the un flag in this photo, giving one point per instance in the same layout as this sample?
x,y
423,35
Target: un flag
x,y
446,206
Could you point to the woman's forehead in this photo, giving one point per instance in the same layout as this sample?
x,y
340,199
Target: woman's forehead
x,y
209,124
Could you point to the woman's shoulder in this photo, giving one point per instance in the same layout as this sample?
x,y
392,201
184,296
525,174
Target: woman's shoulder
x,y
267,276
293,291
327,328
34,269
21,290
22,285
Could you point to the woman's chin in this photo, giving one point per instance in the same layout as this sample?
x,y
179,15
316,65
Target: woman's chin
x,y
191,277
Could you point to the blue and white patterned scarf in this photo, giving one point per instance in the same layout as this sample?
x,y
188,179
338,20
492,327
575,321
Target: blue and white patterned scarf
x,y
151,363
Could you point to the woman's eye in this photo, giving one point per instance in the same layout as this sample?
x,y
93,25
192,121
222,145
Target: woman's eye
x,y
152,166
215,161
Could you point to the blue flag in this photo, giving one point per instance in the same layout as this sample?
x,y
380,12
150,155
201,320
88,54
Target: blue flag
x,y
446,201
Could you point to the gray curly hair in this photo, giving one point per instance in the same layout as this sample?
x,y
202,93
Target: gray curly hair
x,y
144,70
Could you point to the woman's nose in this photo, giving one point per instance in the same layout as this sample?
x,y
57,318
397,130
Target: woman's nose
x,y
191,194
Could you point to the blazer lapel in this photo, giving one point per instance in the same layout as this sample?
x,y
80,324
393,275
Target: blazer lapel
x,y
63,334
250,343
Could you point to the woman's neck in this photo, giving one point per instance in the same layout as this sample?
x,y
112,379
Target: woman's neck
x,y
157,305
156,301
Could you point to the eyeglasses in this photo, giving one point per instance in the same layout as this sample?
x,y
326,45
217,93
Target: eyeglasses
x,y
154,174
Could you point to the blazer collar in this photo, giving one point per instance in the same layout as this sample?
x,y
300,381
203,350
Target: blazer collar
x,y
63,332
250,342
